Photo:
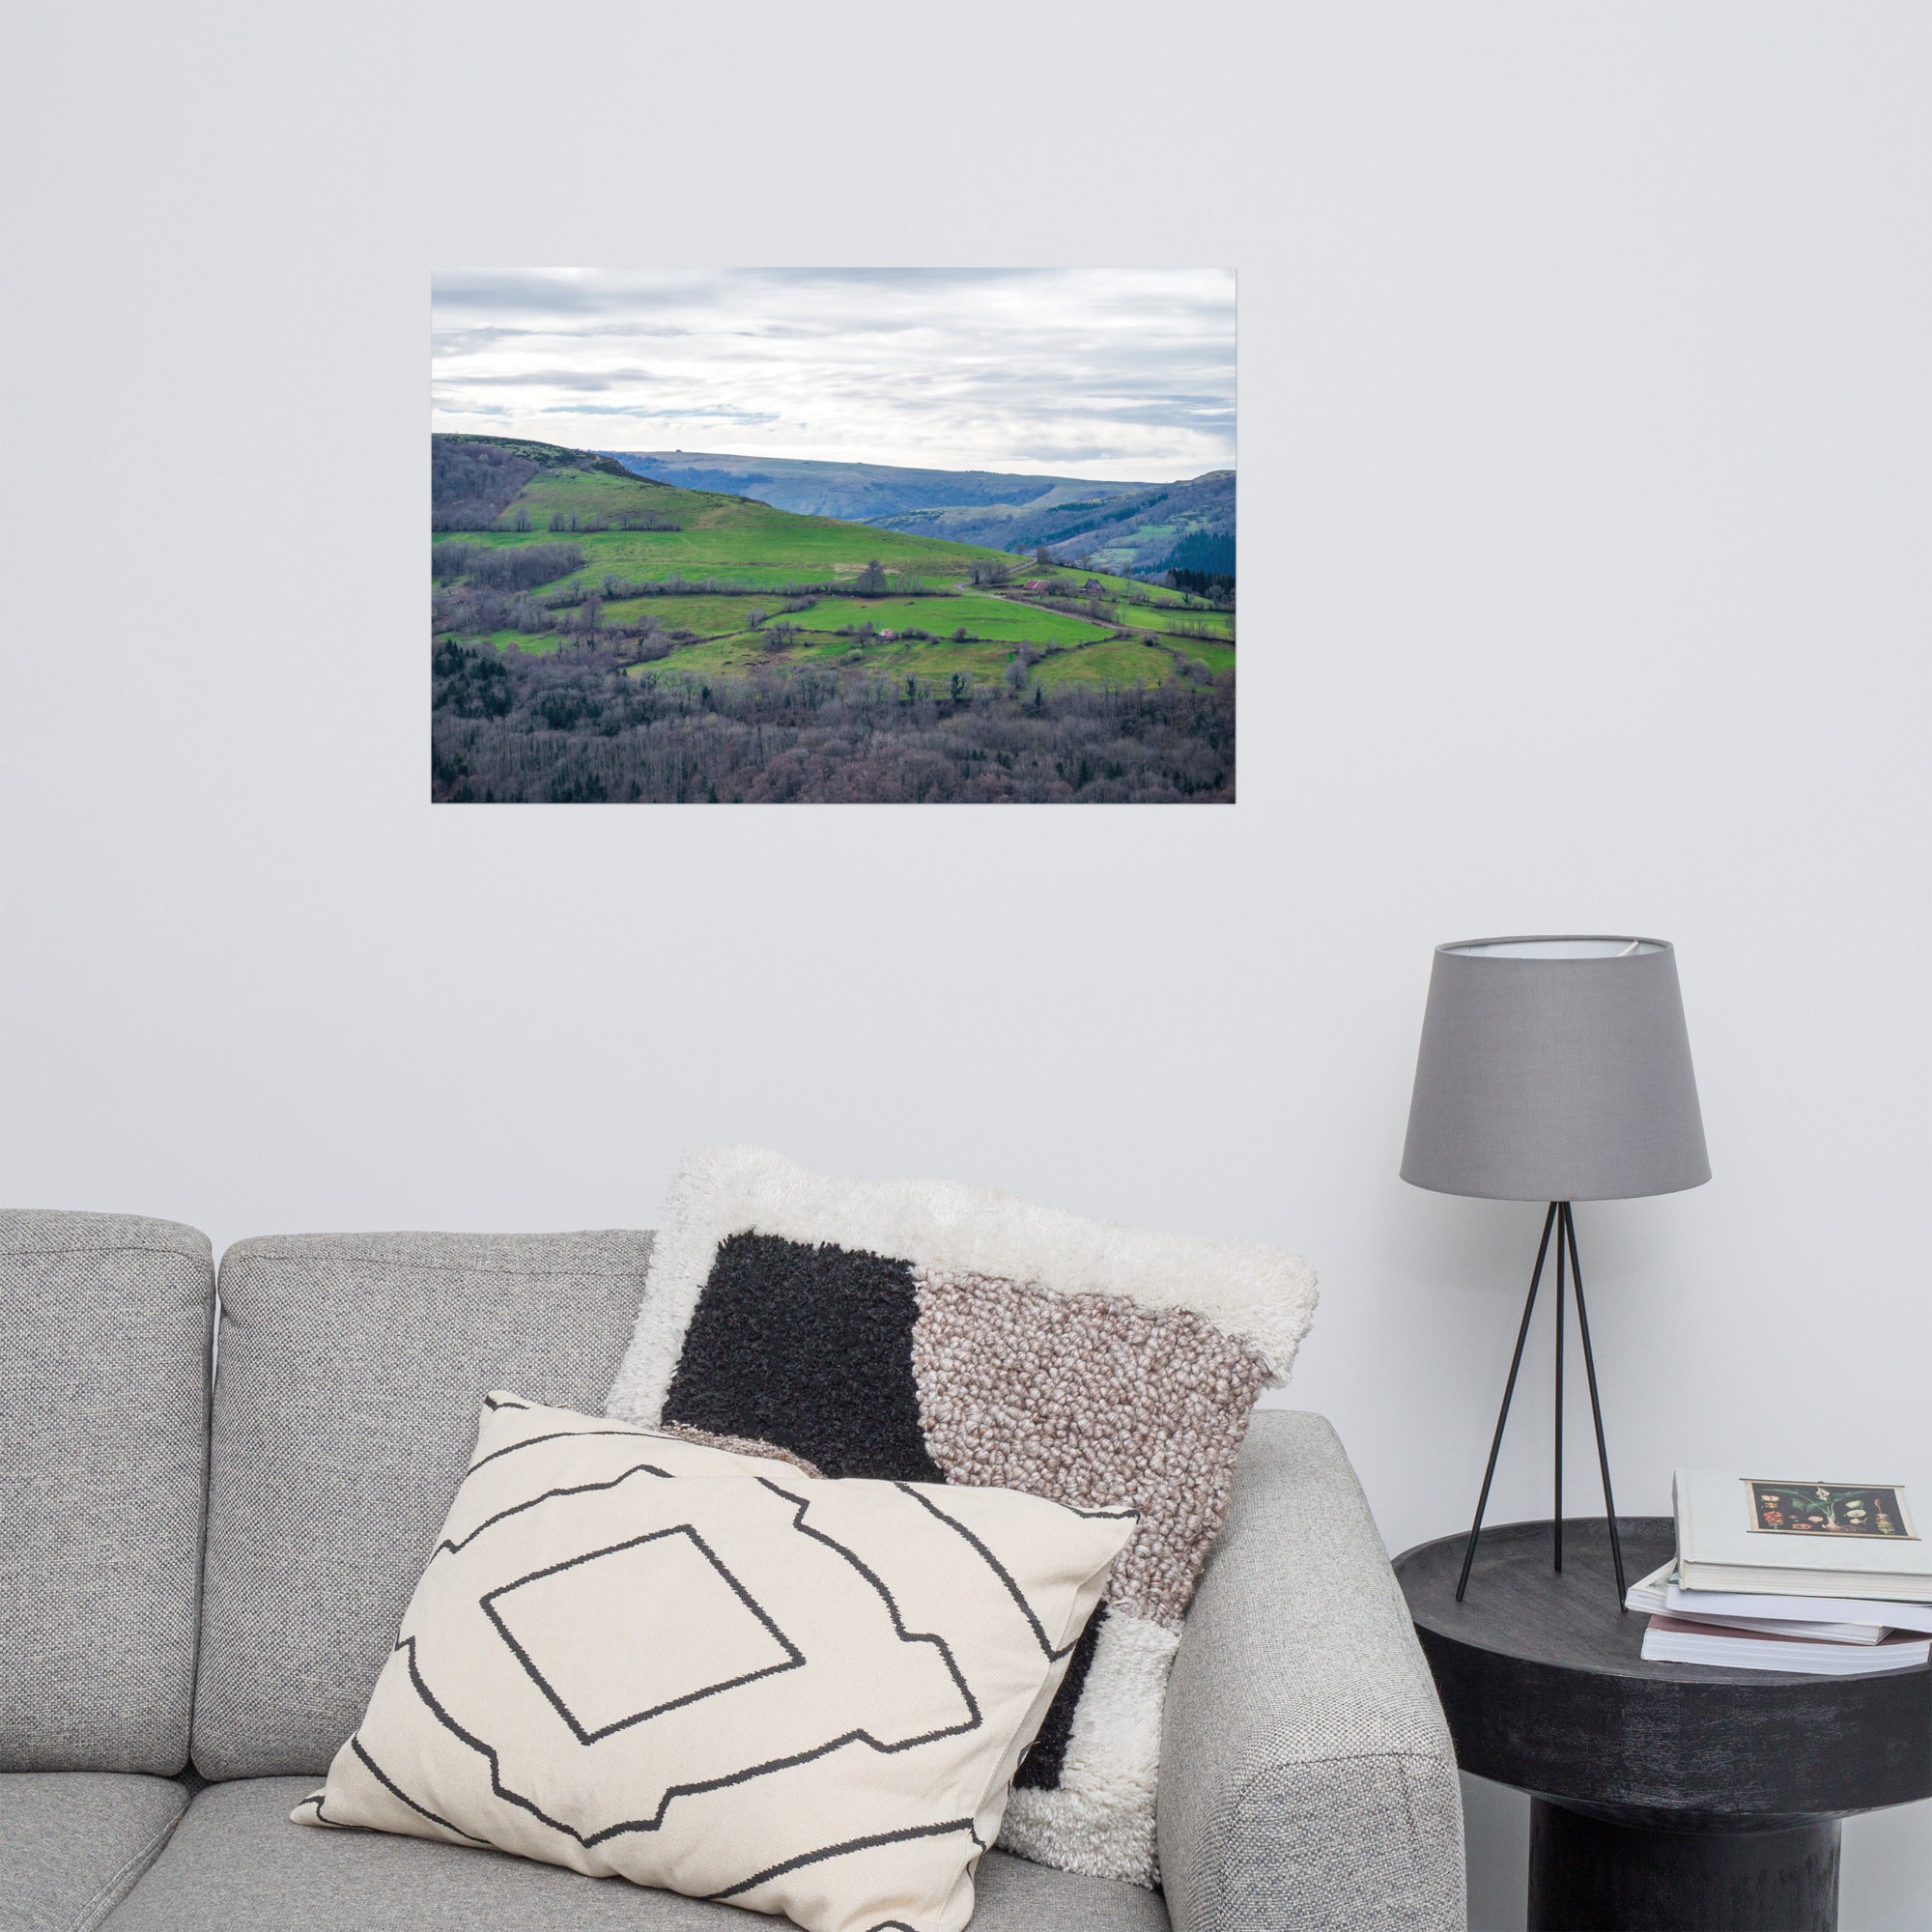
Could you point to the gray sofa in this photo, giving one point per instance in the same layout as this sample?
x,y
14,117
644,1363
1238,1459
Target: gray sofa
x,y
200,1575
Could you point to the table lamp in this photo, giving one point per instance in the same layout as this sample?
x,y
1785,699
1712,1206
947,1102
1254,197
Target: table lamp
x,y
1554,1070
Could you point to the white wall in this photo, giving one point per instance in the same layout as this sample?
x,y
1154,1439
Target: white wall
x,y
1585,413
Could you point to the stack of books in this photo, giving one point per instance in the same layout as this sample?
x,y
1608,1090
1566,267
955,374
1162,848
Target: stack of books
x,y
1827,1578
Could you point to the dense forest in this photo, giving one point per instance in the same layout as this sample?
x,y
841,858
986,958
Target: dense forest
x,y
1203,553
579,726
1219,584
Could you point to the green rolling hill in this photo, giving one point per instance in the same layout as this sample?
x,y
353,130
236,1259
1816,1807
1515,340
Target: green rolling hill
x,y
538,548
1136,529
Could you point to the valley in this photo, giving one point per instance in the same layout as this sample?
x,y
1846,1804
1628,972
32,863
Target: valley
x,y
688,614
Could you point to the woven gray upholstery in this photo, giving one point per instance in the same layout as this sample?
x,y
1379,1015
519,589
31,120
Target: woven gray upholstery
x,y
352,1370
1307,1778
104,1410
72,1842
237,1864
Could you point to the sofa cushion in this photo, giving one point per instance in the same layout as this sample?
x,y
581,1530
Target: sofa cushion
x,y
237,1864
104,1410
72,1842
926,1332
352,1368
637,1654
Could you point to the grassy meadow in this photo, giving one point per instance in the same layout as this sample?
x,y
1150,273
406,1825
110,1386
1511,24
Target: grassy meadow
x,y
1108,631
600,638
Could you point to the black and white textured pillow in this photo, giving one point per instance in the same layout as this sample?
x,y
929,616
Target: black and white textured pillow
x,y
640,1657
931,1332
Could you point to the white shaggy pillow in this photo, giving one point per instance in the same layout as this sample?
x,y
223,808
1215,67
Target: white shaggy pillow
x,y
928,1332
638,1656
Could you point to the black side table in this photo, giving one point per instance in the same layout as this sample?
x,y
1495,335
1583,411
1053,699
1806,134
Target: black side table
x,y
1669,1795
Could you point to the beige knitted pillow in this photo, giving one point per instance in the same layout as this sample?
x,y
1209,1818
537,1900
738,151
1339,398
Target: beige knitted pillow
x,y
636,1654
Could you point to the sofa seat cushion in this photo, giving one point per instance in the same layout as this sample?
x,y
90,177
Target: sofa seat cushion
x,y
345,1406
72,1842
237,1864
103,1412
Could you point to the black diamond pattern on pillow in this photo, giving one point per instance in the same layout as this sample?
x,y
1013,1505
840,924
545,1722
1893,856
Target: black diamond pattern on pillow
x,y
809,1348
603,1674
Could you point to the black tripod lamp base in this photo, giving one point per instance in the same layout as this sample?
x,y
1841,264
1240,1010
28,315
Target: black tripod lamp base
x,y
1562,1224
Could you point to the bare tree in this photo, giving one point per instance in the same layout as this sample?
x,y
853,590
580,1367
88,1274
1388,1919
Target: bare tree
x,y
583,726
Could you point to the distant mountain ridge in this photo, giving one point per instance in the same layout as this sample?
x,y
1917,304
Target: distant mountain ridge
x,y
855,492
1135,528
1142,534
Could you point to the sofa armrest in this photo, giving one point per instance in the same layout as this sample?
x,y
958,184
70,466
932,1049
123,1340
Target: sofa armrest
x,y
1307,1779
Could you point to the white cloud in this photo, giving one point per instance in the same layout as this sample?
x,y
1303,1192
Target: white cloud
x,y
1105,372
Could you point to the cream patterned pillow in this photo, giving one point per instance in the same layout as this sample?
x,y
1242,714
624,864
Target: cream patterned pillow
x,y
633,1653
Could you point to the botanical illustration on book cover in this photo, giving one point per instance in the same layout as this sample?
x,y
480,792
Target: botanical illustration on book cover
x,y
1828,1509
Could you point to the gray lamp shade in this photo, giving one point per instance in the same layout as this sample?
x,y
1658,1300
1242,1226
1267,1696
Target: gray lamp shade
x,y
1555,1069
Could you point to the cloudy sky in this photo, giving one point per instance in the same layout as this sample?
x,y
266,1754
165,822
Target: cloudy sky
x,y
1118,373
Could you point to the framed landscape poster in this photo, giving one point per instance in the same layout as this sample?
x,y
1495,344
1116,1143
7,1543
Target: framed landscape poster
x,y
832,536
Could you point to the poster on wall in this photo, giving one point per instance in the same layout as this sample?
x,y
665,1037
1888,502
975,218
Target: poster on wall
x,y
832,536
